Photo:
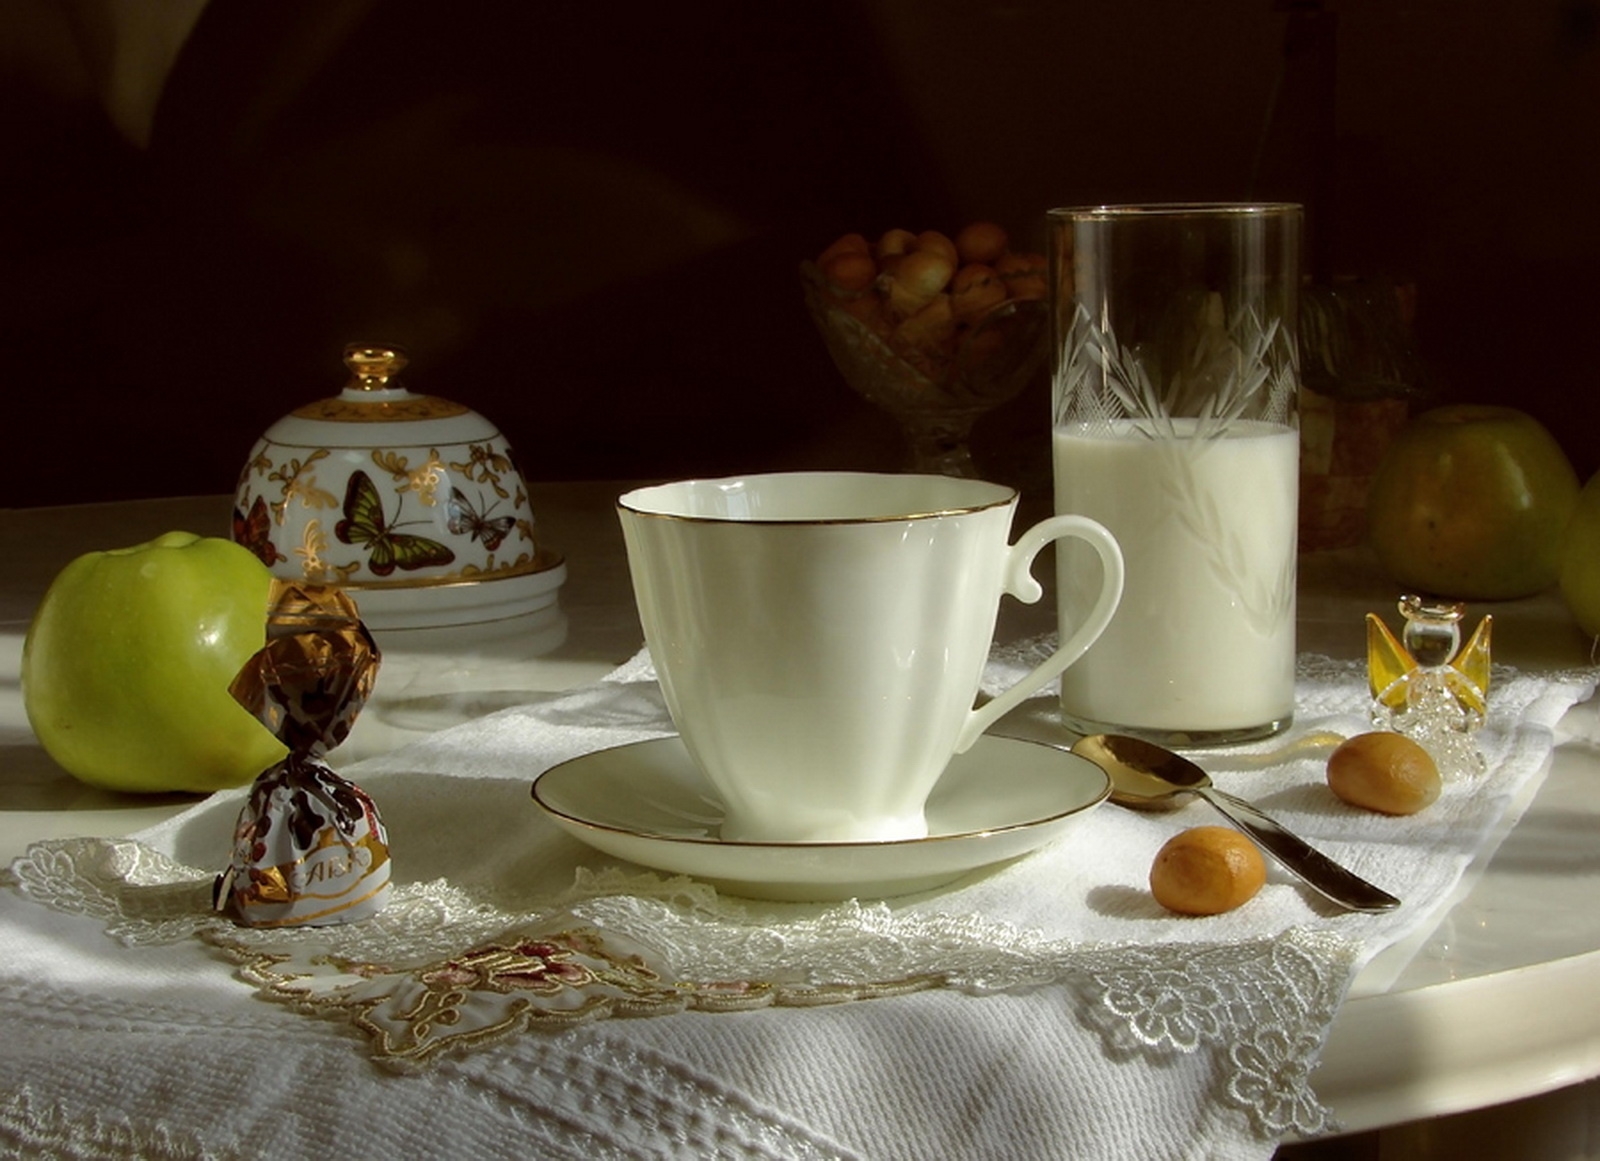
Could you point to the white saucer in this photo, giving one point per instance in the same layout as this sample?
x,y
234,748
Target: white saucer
x,y
649,803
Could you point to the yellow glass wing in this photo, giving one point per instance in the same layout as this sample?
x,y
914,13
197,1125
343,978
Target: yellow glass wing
x,y
1388,662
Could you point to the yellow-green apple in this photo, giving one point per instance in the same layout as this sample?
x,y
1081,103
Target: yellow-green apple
x,y
127,661
1471,501
1580,559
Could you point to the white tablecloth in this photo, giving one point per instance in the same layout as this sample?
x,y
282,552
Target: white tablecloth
x,y
1049,1008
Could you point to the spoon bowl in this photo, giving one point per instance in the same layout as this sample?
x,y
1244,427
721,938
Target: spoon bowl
x,y
1146,776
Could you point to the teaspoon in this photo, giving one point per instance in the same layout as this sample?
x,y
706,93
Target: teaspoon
x,y
1146,776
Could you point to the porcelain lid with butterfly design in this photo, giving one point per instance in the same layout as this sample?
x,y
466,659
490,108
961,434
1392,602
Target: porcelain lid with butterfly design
x,y
411,502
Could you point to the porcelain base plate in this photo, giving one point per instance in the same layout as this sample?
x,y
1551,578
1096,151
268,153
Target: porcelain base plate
x,y
648,803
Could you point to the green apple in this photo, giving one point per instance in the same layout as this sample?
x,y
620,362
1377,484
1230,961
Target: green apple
x,y
126,666
1580,559
1471,502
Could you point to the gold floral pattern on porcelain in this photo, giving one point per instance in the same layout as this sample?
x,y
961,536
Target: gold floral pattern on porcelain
x,y
412,407
415,517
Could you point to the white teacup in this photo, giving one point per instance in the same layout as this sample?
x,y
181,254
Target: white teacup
x,y
820,636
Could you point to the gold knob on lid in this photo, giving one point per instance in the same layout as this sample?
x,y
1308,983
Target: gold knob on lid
x,y
372,367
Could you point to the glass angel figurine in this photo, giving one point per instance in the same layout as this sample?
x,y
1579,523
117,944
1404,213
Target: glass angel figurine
x,y
1427,685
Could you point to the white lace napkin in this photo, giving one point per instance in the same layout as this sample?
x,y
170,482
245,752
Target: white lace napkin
x,y
1050,1008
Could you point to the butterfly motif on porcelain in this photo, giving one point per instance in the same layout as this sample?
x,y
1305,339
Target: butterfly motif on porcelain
x,y
253,529
466,520
366,525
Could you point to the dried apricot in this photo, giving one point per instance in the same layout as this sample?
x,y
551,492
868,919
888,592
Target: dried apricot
x,y
981,242
845,244
1206,870
976,288
850,270
1385,772
939,244
1025,275
921,275
894,243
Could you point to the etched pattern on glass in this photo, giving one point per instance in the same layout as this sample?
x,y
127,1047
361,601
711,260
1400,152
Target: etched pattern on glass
x,y
1221,376
1217,370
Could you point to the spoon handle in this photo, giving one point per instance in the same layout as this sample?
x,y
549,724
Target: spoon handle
x,y
1344,887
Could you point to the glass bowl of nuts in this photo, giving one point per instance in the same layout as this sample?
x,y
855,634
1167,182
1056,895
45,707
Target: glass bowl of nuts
x,y
935,330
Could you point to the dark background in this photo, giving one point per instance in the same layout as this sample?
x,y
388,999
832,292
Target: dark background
x,y
584,220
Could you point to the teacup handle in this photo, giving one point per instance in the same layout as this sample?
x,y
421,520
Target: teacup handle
x,y
1020,583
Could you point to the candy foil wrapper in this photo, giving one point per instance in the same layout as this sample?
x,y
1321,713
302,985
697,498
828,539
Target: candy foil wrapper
x,y
309,847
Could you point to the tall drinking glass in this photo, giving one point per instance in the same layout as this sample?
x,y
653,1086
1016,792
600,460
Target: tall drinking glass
x,y
1176,376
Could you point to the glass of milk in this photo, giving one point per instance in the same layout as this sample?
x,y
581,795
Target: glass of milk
x,y
1176,376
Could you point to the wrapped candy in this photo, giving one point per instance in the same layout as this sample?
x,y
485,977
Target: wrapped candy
x,y
309,847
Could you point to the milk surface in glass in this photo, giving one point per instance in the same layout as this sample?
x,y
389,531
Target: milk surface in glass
x,y
1203,641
